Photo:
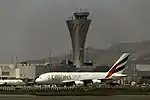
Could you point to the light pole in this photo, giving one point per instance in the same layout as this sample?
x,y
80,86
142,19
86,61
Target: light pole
x,y
70,54
50,55
86,55
85,50
133,64
14,61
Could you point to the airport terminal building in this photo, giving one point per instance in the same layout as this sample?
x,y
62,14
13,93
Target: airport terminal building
x,y
22,71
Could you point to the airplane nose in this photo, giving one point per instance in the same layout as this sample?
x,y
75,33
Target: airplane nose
x,y
37,80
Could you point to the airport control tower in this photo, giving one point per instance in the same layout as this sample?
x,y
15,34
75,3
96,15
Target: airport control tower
x,y
78,28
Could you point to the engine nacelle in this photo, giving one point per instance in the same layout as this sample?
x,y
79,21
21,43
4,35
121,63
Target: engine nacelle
x,y
96,81
79,83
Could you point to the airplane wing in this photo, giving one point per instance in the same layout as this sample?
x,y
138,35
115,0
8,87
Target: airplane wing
x,y
109,80
105,80
1,83
68,81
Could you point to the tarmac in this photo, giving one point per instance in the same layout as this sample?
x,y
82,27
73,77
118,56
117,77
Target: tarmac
x,y
74,91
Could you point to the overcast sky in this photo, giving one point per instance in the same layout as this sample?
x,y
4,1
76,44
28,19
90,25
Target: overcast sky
x,y
29,27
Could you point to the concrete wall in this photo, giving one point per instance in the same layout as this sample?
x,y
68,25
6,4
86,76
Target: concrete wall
x,y
143,67
7,71
31,71
40,69
22,71
18,73
26,72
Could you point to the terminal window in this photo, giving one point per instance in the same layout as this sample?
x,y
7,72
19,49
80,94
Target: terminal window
x,y
5,73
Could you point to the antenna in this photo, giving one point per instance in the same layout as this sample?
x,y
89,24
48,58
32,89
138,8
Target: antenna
x,y
76,9
80,9
70,18
14,60
50,57
85,10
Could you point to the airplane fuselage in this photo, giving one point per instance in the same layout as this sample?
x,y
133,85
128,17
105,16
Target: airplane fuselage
x,y
60,77
11,82
82,77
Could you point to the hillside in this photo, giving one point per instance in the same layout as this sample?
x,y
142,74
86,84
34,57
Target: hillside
x,y
109,55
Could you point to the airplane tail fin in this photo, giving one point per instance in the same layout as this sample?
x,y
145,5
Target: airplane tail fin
x,y
119,66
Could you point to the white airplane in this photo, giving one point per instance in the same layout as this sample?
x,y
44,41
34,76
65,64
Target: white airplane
x,y
84,78
11,82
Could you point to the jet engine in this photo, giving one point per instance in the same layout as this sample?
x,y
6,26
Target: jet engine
x,y
96,81
79,83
